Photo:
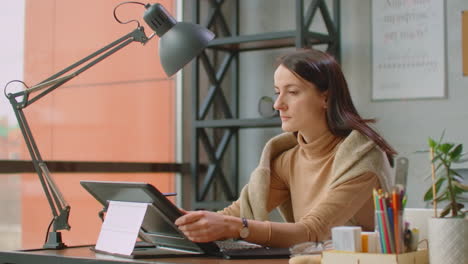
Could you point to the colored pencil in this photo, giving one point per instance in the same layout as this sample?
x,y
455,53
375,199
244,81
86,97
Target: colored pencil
x,y
378,217
389,215
385,225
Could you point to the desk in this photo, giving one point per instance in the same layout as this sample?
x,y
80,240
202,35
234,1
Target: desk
x,y
83,255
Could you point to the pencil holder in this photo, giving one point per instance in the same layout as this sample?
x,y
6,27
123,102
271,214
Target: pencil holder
x,y
390,230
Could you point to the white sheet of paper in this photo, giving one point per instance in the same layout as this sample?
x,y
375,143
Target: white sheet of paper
x,y
120,228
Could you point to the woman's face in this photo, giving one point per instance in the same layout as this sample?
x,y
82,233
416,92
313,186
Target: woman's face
x,y
301,105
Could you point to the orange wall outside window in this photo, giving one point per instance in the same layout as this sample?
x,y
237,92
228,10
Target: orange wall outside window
x,y
120,110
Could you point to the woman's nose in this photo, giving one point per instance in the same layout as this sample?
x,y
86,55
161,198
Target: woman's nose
x,y
279,104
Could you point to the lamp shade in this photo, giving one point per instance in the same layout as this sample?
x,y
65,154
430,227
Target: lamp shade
x,y
179,42
179,45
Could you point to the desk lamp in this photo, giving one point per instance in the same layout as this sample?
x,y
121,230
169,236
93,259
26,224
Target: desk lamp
x,y
179,43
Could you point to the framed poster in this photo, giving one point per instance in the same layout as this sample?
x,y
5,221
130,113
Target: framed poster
x,y
408,49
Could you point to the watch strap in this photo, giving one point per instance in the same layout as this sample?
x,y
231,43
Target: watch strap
x,y
244,222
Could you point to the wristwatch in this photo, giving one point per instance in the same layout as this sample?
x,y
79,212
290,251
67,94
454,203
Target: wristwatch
x,y
244,232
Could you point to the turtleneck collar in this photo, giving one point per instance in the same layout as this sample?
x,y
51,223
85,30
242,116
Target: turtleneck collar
x,y
319,147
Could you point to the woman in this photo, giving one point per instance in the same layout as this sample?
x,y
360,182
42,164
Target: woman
x,y
320,173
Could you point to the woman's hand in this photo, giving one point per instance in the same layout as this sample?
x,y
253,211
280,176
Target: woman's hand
x,y
204,226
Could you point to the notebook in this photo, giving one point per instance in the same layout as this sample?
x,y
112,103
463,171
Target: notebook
x,y
160,235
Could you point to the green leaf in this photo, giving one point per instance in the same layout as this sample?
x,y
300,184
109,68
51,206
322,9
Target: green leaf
x,y
457,190
432,144
445,211
428,196
445,148
455,154
454,172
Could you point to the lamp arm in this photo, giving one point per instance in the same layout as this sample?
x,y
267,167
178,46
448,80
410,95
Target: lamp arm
x,y
20,100
59,207
56,80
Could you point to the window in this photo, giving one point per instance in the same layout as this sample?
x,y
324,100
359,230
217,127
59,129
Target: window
x,y
121,110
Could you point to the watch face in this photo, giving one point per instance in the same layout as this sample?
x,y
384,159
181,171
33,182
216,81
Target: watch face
x,y
244,232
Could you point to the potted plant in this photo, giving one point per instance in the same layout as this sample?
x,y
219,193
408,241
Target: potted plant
x,y
447,232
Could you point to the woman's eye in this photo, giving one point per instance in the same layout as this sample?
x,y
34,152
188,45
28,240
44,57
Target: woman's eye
x,y
293,92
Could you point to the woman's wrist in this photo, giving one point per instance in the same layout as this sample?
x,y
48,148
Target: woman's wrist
x,y
232,226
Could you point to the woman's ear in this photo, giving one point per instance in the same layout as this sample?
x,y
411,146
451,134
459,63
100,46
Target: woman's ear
x,y
325,99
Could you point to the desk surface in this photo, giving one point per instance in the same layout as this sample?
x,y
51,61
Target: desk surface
x,y
82,255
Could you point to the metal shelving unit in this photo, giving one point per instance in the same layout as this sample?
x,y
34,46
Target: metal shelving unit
x,y
215,117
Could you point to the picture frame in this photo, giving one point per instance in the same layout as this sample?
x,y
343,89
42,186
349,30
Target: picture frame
x,y
408,49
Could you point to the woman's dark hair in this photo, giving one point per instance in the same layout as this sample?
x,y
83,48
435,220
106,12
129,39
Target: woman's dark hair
x,y
322,70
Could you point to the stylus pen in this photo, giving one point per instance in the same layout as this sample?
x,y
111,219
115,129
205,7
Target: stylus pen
x,y
170,194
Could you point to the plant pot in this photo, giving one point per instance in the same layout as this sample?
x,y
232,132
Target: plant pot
x,y
448,240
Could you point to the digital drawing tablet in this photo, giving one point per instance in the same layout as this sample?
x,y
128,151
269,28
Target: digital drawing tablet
x,y
158,228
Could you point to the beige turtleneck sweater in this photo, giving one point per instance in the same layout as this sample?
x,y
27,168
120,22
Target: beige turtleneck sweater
x,y
304,175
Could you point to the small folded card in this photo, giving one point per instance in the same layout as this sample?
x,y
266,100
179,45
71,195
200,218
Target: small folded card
x,y
120,228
